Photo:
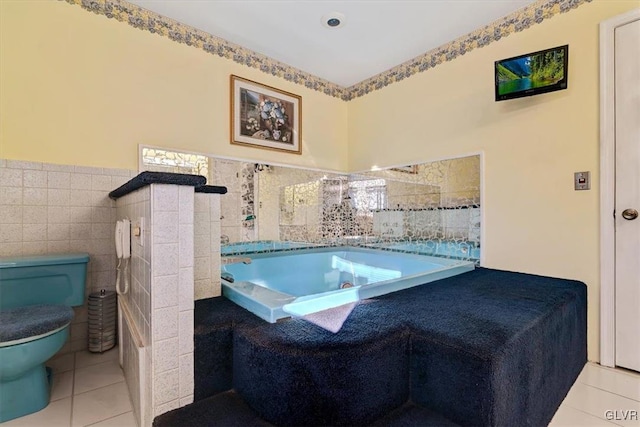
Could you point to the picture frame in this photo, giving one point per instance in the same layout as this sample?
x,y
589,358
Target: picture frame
x,y
412,169
265,117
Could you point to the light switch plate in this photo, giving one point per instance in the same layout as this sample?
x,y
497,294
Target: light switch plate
x,y
582,180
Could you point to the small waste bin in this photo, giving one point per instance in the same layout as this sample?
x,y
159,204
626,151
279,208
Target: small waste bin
x,y
103,313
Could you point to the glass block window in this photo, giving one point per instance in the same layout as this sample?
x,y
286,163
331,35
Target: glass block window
x,y
155,159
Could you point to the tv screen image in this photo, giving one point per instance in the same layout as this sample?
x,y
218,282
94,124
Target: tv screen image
x,y
531,74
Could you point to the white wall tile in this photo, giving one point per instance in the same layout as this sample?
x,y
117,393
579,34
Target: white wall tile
x,y
34,248
186,375
11,248
11,215
186,288
165,197
166,387
185,245
185,326
165,259
165,355
58,232
101,183
169,406
35,178
117,181
34,232
59,180
80,181
11,177
81,214
57,197
35,197
102,230
184,401
58,214
165,227
10,195
10,233
19,164
58,247
202,268
165,323
102,214
165,291
186,204
56,168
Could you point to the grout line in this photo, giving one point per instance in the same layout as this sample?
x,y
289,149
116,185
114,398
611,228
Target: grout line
x,y
73,386
618,370
582,402
611,392
594,416
581,381
98,388
113,416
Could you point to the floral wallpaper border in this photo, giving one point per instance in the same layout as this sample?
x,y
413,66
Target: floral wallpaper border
x,y
150,21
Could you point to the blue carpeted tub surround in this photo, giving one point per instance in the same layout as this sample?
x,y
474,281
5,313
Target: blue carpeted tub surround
x,y
486,347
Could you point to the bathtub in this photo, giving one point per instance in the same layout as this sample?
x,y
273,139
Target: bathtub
x,y
261,246
275,285
444,248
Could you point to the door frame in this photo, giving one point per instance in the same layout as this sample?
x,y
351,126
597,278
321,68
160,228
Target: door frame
x,y
607,184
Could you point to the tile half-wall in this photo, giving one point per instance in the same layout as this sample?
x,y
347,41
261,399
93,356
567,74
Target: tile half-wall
x,y
47,208
160,300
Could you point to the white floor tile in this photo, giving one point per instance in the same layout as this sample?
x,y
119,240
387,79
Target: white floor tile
x,y
96,376
86,358
570,417
124,420
61,363
615,381
56,414
101,404
597,402
62,385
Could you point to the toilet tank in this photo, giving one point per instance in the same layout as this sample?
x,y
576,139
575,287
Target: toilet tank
x,y
44,279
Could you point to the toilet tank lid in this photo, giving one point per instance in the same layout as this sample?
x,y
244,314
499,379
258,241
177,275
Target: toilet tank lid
x,y
37,260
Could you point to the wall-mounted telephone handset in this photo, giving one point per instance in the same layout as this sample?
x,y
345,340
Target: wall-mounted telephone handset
x,y
123,252
123,239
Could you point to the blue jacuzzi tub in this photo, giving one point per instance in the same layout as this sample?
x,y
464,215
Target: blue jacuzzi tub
x,y
276,285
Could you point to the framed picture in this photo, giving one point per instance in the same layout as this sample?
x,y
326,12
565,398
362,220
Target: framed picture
x,y
265,117
407,169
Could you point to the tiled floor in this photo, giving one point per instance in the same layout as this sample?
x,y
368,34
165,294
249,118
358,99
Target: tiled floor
x,y
89,390
598,394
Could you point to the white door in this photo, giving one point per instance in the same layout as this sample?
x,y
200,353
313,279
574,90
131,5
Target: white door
x,y
627,146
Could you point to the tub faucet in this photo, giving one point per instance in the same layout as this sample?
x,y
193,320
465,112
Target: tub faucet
x,y
236,260
224,239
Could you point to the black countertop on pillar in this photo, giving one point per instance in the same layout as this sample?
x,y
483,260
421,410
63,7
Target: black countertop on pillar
x,y
148,178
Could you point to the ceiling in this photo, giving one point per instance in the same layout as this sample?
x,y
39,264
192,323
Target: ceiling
x,y
375,36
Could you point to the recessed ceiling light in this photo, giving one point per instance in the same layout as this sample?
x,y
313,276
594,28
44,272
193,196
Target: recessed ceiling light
x,y
334,20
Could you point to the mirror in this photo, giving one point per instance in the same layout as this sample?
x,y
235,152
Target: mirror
x,y
431,208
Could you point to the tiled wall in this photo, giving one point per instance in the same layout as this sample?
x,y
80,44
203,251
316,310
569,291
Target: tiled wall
x,y
172,295
237,177
137,304
47,208
162,294
207,245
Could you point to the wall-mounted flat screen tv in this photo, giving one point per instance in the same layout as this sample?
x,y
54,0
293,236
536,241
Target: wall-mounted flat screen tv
x,y
532,74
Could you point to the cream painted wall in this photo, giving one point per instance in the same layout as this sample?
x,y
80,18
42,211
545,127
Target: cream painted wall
x,y
533,219
78,88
